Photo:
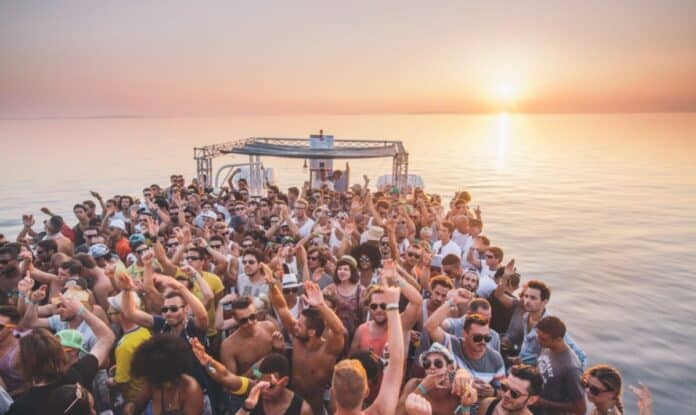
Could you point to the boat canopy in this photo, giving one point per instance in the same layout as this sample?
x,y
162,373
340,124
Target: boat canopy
x,y
306,152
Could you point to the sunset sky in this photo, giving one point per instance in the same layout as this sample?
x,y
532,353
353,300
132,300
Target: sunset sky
x,y
176,58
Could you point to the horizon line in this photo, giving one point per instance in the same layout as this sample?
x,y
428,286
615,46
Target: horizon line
x,y
270,114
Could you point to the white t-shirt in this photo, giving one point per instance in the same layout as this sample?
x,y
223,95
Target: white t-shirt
x,y
486,283
450,248
305,229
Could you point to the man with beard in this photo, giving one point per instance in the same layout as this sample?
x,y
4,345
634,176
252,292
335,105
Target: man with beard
x,y
251,341
252,282
9,275
452,267
317,338
303,222
520,389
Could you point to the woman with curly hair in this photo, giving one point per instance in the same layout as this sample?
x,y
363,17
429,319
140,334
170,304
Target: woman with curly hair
x,y
348,292
163,362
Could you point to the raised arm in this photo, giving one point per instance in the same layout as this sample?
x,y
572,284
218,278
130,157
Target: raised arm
x,y
128,308
200,314
105,337
167,266
388,397
314,297
218,371
275,295
433,325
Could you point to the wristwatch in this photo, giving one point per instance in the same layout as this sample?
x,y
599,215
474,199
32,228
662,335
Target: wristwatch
x,y
393,306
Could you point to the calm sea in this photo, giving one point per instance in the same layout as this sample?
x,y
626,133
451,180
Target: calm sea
x,y
599,206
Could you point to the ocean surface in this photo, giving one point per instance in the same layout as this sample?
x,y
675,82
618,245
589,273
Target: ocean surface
x,y
602,207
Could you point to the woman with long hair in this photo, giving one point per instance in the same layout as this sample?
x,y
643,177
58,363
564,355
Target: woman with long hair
x,y
604,386
348,292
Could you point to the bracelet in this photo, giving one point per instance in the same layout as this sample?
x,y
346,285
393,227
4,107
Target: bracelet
x,y
451,303
81,311
243,388
422,389
393,306
210,367
461,409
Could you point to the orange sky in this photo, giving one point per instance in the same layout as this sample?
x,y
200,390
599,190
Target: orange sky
x,y
172,58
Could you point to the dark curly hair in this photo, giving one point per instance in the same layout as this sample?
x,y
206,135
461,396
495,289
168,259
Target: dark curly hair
x,y
161,359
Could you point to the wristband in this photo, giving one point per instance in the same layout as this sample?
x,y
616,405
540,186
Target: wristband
x,y
461,409
81,311
451,303
422,389
210,367
243,388
257,373
393,306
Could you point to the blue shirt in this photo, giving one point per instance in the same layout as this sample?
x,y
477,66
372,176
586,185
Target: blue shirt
x,y
529,351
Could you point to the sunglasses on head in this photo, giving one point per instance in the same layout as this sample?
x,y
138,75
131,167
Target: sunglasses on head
x,y
591,388
505,387
478,338
172,309
244,320
438,363
375,306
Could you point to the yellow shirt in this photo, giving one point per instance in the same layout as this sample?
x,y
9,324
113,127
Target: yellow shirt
x,y
125,349
216,286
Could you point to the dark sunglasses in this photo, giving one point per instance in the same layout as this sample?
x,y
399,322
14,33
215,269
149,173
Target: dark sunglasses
x,y
413,255
375,306
216,246
140,251
386,243
490,256
249,262
438,363
591,388
7,326
478,338
192,258
313,258
247,246
244,320
505,387
172,309
172,245
5,261
290,290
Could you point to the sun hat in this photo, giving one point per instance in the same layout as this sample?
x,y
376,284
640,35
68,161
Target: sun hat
x,y
290,281
375,233
116,301
440,349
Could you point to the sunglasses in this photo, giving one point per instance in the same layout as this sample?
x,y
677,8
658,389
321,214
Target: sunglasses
x,y
7,326
505,387
438,363
172,309
216,246
249,262
490,256
375,306
140,251
386,243
591,388
413,255
172,245
192,258
244,320
313,258
290,290
478,338
364,259
5,261
247,246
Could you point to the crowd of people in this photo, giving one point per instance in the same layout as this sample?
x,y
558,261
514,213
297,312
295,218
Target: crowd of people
x,y
187,300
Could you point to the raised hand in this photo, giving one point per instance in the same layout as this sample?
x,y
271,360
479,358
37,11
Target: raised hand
x,y
463,386
389,276
255,393
417,405
25,285
38,295
95,195
152,227
433,381
46,210
391,295
460,296
199,351
28,220
313,295
125,281
277,341
147,257
644,398
510,268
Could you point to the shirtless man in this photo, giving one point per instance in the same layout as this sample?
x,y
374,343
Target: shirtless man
x,y
520,390
315,349
251,341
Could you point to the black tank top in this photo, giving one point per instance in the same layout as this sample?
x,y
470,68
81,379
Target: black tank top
x,y
295,407
492,406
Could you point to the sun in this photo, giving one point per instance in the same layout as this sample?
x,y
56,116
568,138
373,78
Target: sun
x,y
505,92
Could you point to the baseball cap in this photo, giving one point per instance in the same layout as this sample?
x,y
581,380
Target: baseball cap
x,y
98,251
71,338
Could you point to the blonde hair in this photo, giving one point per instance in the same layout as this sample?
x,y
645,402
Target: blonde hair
x,y
349,384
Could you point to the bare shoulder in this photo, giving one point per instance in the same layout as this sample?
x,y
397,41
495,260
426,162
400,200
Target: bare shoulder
x,y
306,409
268,326
485,404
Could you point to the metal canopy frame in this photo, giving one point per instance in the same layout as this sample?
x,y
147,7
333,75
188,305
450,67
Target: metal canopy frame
x,y
255,147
